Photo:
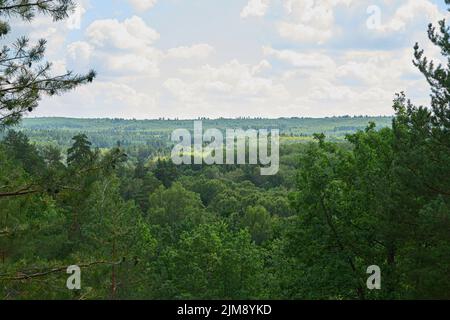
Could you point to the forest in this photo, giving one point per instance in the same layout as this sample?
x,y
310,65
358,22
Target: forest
x,y
103,194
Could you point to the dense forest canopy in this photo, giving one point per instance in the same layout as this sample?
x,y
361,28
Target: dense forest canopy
x,y
156,134
103,195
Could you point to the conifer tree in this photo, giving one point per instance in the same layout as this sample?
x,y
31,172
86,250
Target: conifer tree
x,y
422,146
25,76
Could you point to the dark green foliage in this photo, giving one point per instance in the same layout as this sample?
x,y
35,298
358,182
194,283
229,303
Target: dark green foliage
x,y
384,202
80,154
166,172
210,262
19,148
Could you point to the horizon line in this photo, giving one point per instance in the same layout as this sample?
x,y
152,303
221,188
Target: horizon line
x,y
210,119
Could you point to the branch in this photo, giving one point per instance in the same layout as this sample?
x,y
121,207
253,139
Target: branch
x,y
21,192
57,11
24,276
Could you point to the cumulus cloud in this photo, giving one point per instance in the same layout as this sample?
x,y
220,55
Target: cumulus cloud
x,y
229,89
410,11
133,33
118,48
309,20
350,82
143,5
237,79
313,21
255,8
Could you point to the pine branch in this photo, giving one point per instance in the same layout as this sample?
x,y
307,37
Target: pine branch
x,y
25,275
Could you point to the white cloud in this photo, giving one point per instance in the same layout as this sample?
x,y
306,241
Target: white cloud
x,y
350,82
133,33
119,47
201,51
74,20
261,67
313,21
299,59
310,20
128,64
102,99
142,5
255,8
300,32
229,89
408,12
236,78
304,20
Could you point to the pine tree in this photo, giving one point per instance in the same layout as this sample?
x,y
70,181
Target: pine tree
x,y
80,154
24,74
422,146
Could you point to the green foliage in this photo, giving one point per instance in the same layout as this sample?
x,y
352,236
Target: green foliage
x,y
210,262
175,207
142,228
80,154
384,202
166,172
145,138
259,223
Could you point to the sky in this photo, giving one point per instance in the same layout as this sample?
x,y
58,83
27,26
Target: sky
x,y
237,58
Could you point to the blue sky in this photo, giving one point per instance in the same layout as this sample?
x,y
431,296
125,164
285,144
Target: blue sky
x,y
259,58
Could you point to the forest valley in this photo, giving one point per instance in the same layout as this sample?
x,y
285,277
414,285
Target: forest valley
x,y
239,145
140,227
